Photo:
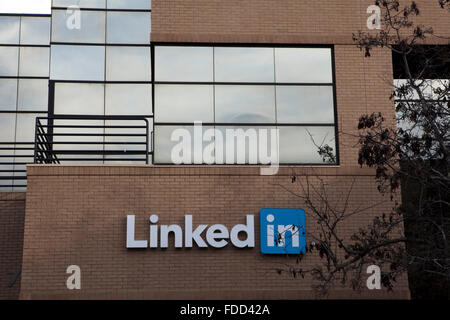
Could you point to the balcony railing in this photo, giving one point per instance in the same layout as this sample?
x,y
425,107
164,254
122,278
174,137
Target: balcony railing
x,y
13,158
92,139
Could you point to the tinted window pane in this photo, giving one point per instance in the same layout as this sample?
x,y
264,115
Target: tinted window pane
x,y
7,132
128,64
33,95
92,28
305,104
128,99
19,182
244,64
98,146
164,146
245,104
79,98
34,62
120,140
78,63
189,103
80,3
5,185
130,4
128,27
245,144
9,57
297,146
35,30
25,131
8,94
9,30
303,65
184,64
7,127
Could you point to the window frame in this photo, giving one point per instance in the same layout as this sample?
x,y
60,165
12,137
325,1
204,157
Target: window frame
x,y
18,148
276,125
105,80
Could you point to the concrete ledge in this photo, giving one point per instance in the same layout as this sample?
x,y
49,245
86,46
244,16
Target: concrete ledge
x,y
152,170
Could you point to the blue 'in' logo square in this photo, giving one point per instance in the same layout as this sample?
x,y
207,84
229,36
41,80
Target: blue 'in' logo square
x,y
282,231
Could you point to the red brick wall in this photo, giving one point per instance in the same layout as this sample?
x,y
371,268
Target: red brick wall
x,y
12,214
77,215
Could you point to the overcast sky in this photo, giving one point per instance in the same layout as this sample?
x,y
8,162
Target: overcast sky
x,y
25,6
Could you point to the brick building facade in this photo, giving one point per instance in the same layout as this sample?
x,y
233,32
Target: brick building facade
x,y
12,208
76,214
88,228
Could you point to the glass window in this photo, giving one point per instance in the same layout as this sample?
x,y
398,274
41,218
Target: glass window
x,y
193,64
92,28
8,94
33,95
244,64
116,143
79,98
128,99
303,65
34,62
305,104
245,104
7,127
19,182
299,145
101,4
9,61
9,30
245,144
128,64
78,63
128,27
130,4
25,131
35,30
168,151
249,86
96,141
184,103
5,185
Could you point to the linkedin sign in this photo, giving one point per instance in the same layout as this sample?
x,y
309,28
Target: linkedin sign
x,y
282,231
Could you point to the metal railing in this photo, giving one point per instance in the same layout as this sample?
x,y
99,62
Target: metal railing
x,y
13,156
92,139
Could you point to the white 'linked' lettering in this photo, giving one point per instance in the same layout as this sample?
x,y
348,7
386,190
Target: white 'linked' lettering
x,y
217,235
